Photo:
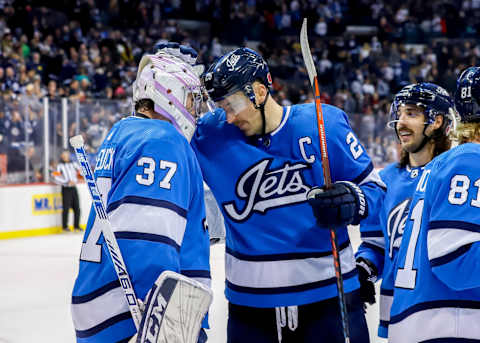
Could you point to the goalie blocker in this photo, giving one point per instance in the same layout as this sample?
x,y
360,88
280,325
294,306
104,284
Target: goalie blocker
x,y
174,310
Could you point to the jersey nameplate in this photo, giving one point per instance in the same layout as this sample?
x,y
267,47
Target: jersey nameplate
x,y
105,159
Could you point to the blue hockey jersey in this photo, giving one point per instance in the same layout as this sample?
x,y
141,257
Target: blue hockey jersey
x,y
152,186
275,254
380,243
437,284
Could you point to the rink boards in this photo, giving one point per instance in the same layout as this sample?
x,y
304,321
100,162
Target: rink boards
x,y
36,209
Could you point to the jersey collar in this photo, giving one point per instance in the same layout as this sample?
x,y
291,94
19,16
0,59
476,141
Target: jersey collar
x,y
140,115
414,171
285,115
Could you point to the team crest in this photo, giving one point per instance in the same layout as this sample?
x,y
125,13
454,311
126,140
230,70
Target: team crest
x,y
396,224
260,189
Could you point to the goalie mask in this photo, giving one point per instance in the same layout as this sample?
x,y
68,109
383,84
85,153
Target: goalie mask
x,y
173,87
467,95
432,99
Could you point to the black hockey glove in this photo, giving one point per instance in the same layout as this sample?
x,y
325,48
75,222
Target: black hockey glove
x,y
367,275
342,204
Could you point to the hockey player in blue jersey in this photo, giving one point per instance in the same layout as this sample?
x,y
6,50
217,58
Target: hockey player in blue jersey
x,y
260,159
152,186
437,285
422,117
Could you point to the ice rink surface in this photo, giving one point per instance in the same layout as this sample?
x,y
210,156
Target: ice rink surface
x,y
37,276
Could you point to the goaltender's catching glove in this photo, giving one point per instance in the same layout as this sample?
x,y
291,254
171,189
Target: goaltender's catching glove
x,y
342,204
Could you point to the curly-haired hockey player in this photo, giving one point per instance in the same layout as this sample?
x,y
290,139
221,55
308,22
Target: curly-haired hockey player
x,y
422,115
152,186
260,160
437,289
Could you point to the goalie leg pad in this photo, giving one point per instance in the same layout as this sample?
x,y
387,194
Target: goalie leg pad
x,y
175,308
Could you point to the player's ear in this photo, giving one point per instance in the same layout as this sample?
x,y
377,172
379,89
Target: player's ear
x,y
260,91
438,122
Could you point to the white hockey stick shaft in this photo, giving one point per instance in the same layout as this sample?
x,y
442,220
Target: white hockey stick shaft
x,y
327,180
116,256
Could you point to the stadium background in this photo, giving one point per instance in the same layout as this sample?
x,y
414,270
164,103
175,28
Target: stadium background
x,y
81,56
67,66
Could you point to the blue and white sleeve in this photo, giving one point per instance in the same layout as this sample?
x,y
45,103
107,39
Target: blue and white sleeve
x,y
372,248
372,245
453,239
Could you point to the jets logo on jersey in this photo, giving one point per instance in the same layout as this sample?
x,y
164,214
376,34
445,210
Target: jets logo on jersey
x,y
396,224
261,189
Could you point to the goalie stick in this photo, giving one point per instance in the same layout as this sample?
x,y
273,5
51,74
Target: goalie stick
x,y
312,75
115,255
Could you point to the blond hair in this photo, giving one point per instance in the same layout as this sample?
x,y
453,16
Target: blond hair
x,y
466,132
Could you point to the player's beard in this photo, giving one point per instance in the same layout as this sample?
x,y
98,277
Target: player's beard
x,y
413,142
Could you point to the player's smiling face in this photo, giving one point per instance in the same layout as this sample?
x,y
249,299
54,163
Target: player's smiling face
x,y
410,125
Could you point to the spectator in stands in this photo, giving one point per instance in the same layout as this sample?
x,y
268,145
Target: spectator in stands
x,y
52,91
16,129
11,82
48,44
97,129
3,131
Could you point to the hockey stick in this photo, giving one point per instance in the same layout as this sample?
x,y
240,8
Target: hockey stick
x,y
327,180
115,255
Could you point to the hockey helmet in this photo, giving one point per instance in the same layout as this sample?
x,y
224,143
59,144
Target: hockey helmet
x,y
433,99
168,81
236,71
467,95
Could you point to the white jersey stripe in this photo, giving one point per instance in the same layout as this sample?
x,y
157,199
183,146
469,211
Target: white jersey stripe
x,y
377,241
385,306
106,306
148,219
441,242
204,280
446,322
270,274
373,177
